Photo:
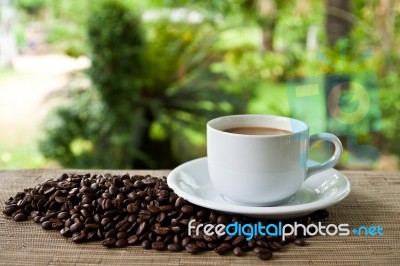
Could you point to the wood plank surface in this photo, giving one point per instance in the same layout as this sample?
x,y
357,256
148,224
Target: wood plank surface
x,y
374,200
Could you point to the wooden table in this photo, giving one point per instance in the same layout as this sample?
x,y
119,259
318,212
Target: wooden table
x,y
374,200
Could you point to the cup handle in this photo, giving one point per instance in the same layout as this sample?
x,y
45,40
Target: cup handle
x,y
333,160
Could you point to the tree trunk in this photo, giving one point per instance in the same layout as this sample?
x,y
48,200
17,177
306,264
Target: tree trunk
x,y
337,25
267,17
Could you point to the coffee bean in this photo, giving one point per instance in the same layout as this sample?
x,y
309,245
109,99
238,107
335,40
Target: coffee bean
x,y
138,184
192,248
109,242
141,229
166,208
174,247
113,190
122,235
158,246
10,210
92,235
201,244
187,209
112,233
105,221
76,227
37,219
262,243
60,199
20,217
221,250
238,240
162,230
212,245
47,225
78,236
237,251
265,255
146,244
121,243
92,226
275,245
63,215
57,225
49,191
179,203
153,209
300,242
132,239
223,220
186,241
213,217
132,207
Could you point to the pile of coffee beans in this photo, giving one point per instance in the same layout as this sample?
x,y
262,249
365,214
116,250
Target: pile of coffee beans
x,y
122,210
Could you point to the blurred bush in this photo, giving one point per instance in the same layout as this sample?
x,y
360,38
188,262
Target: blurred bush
x,y
32,7
153,91
390,107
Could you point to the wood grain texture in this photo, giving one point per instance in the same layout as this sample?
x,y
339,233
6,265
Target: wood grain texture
x,y
374,200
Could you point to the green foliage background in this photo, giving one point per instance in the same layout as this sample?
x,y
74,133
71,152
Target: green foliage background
x,y
156,82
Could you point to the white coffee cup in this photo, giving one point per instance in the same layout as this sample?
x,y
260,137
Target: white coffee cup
x,y
262,170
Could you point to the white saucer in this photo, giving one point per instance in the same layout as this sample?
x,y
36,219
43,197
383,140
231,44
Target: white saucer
x,y
192,182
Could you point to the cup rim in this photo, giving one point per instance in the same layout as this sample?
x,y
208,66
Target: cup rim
x,y
214,120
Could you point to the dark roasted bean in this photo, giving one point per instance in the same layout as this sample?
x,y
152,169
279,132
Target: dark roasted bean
x,y
221,250
78,236
122,235
20,217
187,209
141,228
111,233
109,242
158,246
237,251
63,215
47,225
132,239
166,208
238,240
275,245
146,244
174,247
92,226
37,219
121,243
76,227
201,244
262,243
185,241
192,248
153,209
265,255
252,243
9,210
223,220
162,230
179,203
60,199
